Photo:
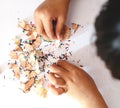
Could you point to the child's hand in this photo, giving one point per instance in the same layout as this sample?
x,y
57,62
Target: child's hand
x,y
76,83
46,13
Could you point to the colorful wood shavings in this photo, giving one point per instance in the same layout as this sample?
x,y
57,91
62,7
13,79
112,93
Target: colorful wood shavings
x,y
32,55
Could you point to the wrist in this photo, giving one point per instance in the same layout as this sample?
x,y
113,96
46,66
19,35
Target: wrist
x,y
95,100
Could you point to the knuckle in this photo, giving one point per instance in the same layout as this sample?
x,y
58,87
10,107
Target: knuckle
x,y
36,12
45,14
41,13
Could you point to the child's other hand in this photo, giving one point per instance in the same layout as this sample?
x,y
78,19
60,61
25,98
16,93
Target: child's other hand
x,y
46,13
76,83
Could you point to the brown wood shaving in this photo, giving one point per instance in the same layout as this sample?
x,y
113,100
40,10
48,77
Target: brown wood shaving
x,y
16,41
75,27
37,42
32,74
28,84
28,47
66,32
16,71
24,25
13,55
18,48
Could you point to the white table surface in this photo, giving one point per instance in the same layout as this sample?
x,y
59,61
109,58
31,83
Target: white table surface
x,y
82,12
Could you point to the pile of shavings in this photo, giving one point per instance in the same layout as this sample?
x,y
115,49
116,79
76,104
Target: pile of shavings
x,y
32,55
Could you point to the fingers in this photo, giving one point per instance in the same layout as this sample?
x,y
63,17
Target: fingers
x,y
44,26
55,80
67,66
59,27
39,27
48,26
59,71
57,91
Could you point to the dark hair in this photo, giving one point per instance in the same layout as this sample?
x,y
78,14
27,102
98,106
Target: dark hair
x,y
107,27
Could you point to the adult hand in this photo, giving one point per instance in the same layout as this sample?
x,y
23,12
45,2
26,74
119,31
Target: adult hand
x,y
50,17
79,85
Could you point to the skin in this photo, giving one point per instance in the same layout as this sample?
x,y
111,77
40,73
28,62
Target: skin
x,y
46,13
76,83
65,77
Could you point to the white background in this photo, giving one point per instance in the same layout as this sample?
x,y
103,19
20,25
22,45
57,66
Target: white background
x,y
82,12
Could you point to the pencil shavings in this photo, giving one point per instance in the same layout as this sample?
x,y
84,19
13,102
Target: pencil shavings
x,y
27,85
75,27
66,32
30,58
13,55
